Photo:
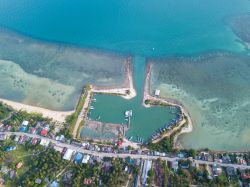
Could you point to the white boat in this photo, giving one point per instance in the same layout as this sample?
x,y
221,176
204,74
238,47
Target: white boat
x,y
128,113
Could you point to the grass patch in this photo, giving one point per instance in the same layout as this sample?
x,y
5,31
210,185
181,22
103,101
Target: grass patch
x,y
165,145
71,119
158,103
23,153
4,111
79,129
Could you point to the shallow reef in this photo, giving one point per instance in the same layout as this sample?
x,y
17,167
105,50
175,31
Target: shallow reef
x,y
215,89
64,69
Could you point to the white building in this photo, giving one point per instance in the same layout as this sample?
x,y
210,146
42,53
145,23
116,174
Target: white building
x,y
157,92
68,154
60,138
3,137
58,148
25,123
85,159
175,165
44,142
16,138
146,167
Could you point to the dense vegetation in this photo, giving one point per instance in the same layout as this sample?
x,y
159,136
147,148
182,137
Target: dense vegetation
x,y
18,117
163,176
115,176
43,166
4,111
109,174
165,145
22,154
159,103
71,119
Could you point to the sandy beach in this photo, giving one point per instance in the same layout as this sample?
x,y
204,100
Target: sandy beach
x,y
55,115
132,91
185,129
127,87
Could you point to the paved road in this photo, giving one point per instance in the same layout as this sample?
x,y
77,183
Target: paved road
x,y
120,155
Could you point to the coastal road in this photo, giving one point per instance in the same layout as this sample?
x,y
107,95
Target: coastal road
x,y
120,155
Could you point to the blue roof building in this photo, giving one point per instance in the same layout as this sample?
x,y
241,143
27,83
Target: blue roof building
x,y
10,148
78,158
54,184
22,128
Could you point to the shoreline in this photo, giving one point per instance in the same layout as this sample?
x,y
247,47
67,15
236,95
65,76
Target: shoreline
x,y
127,90
171,102
61,115
56,115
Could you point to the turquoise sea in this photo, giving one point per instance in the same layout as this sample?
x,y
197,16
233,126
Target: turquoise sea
x,y
126,27
170,26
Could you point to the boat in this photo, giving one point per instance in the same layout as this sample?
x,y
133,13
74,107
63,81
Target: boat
x,y
131,137
131,113
128,113
91,108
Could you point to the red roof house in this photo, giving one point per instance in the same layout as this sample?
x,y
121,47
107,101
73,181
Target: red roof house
x,y
44,132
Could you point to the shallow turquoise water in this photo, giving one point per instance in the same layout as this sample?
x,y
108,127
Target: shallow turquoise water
x,y
129,27
52,75
219,108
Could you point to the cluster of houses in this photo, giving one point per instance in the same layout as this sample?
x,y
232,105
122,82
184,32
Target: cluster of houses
x,y
213,171
227,158
69,154
5,127
81,158
40,129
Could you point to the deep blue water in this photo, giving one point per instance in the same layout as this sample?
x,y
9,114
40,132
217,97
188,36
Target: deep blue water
x,y
169,26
